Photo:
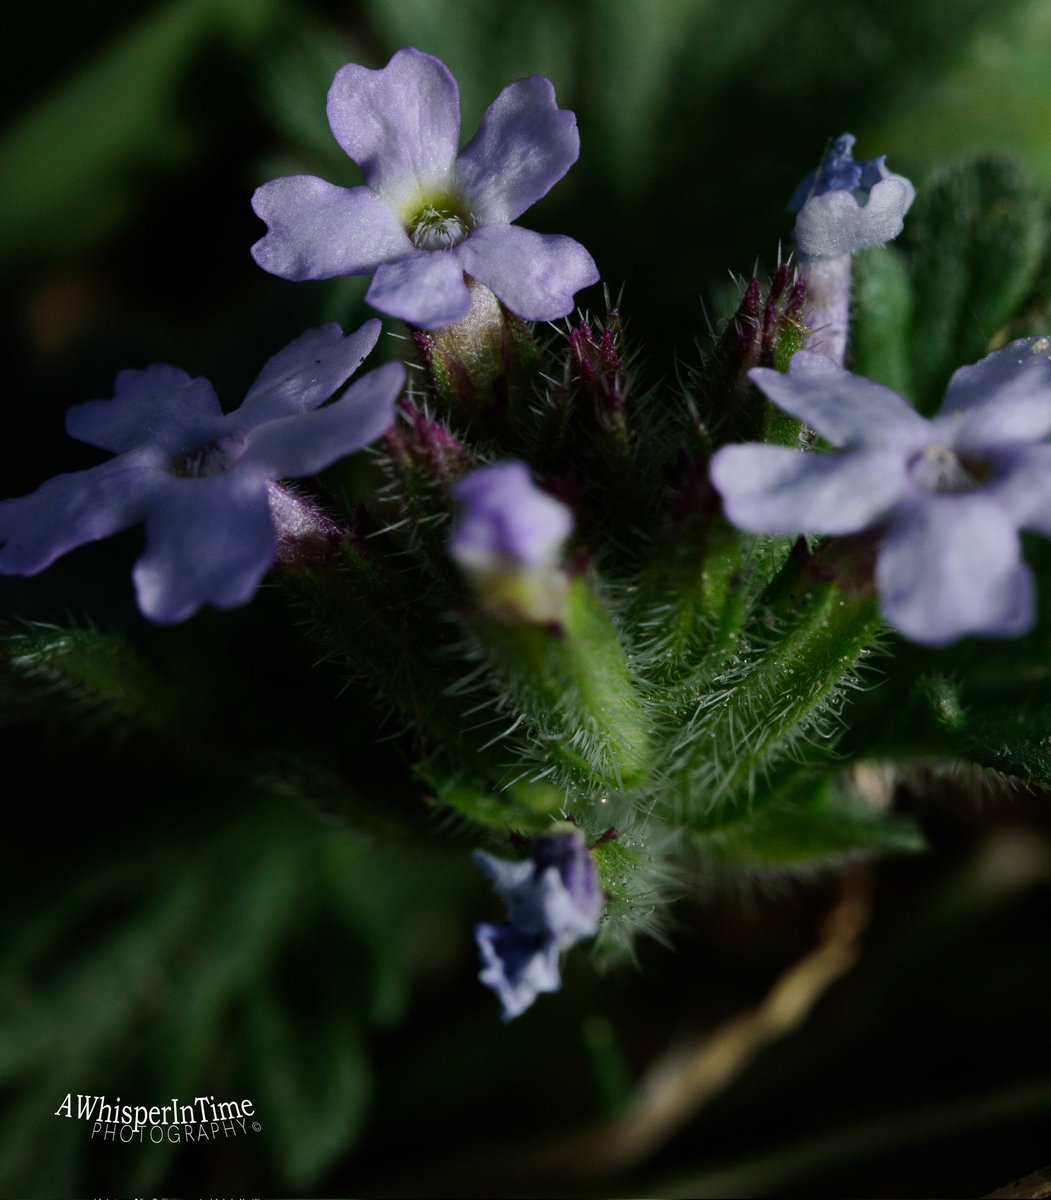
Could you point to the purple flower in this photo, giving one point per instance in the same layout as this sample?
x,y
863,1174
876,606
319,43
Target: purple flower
x,y
507,522
426,216
949,495
201,480
845,206
554,899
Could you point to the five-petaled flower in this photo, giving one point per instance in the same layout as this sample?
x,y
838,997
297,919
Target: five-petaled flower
x,y
427,216
554,899
949,495
845,206
201,479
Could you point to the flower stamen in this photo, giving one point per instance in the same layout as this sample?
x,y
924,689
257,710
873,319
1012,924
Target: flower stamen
x,y
941,470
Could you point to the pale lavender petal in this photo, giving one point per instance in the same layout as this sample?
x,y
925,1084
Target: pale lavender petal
x,y
71,510
401,124
523,147
427,289
509,877
845,409
318,230
308,371
559,911
159,406
208,541
506,520
772,489
308,442
837,223
1021,485
1004,398
536,275
574,863
518,965
951,566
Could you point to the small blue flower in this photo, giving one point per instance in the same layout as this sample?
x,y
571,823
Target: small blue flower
x,y
949,495
554,899
428,215
202,480
845,206
506,521
508,538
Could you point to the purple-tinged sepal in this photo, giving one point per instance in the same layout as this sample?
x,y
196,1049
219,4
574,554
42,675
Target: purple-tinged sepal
x,y
480,369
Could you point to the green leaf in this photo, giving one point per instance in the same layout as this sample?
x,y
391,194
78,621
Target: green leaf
x,y
978,232
314,1082
74,165
96,677
882,300
821,825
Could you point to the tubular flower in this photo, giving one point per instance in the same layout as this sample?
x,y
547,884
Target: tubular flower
x,y
553,899
202,480
508,539
948,495
428,216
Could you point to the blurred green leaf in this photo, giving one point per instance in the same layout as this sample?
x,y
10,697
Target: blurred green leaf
x,y
314,1080
74,166
882,303
978,232
810,825
94,679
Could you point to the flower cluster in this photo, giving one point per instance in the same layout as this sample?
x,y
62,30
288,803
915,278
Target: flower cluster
x,y
554,900
947,495
427,216
637,676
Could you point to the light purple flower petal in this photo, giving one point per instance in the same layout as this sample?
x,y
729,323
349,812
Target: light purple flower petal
x,y
71,510
772,489
506,520
950,566
1004,398
509,877
401,124
425,288
844,408
201,480
517,965
523,147
159,406
837,223
553,900
1021,485
536,275
208,541
308,442
318,230
568,855
306,372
